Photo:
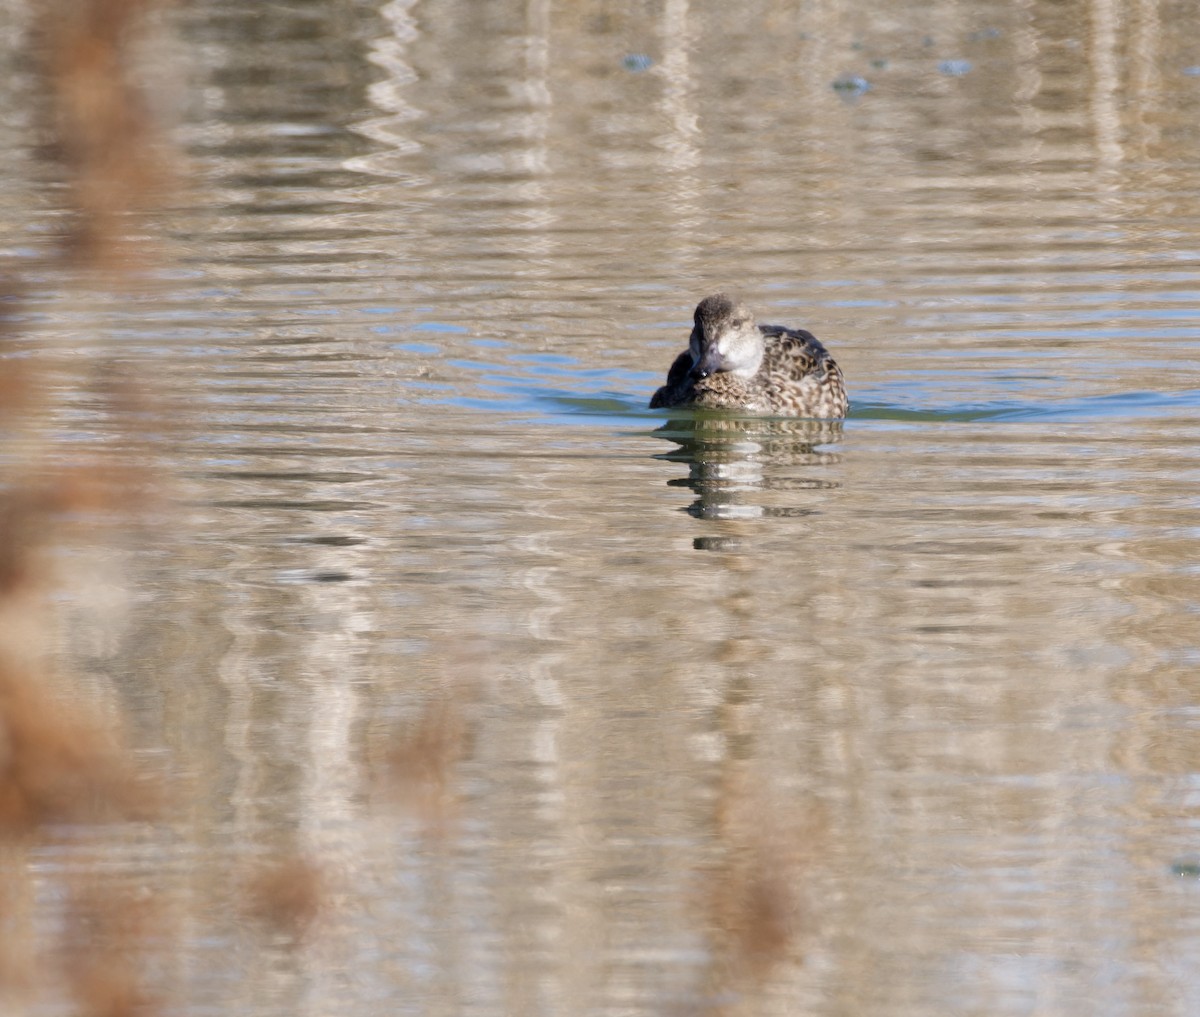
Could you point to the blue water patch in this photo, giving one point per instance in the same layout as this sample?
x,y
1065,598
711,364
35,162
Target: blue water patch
x,y
439,326
599,405
423,348
632,400
543,358
628,404
1117,406
954,68
857,303
425,386
550,388
1114,406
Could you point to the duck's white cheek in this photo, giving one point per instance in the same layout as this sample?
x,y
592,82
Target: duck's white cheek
x,y
732,355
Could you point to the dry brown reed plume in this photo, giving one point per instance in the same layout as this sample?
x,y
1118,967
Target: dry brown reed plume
x,y
54,758
60,762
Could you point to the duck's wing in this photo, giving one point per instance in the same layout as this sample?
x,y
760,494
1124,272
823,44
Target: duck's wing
x,y
673,392
798,369
795,350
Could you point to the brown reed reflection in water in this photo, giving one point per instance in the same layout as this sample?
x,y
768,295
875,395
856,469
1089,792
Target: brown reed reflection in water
x,y
60,763
417,760
755,901
286,894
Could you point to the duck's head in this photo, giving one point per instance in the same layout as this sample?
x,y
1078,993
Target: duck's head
x,y
725,338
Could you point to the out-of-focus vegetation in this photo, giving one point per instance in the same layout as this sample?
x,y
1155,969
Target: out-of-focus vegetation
x,y
63,762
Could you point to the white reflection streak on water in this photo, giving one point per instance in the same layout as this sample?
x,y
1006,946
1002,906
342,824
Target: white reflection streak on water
x,y
1027,83
1106,82
236,671
680,143
538,241
332,833
389,52
548,806
1145,77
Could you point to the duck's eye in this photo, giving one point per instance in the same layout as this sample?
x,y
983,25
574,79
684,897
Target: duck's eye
x,y
740,322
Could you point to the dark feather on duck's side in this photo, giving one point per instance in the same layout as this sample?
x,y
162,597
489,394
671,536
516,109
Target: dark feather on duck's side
x,y
732,363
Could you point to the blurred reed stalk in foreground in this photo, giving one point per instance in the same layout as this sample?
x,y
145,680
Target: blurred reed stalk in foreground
x,y
95,55
62,762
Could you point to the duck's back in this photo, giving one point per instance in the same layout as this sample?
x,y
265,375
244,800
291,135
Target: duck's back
x,y
797,376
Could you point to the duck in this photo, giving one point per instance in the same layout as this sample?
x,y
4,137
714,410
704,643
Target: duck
x,y
731,363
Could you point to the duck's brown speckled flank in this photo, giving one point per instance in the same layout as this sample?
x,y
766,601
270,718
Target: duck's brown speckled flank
x,y
731,363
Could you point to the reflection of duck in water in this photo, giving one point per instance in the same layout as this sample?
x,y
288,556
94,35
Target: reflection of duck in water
x,y
733,364
753,467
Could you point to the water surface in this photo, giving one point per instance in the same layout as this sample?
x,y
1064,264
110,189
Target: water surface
x,y
580,708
